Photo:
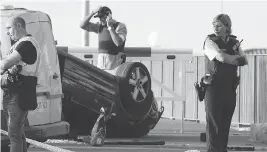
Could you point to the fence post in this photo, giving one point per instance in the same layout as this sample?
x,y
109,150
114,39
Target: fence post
x,y
182,123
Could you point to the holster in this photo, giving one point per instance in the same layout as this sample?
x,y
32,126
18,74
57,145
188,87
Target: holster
x,y
201,87
200,91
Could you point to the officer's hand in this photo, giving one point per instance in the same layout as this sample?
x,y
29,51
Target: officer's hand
x,y
241,61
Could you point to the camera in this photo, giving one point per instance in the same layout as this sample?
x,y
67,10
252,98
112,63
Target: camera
x,y
10,78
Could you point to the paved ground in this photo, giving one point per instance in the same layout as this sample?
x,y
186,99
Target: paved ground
x,y
168,137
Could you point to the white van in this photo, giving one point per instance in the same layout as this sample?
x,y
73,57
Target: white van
x,y
45,121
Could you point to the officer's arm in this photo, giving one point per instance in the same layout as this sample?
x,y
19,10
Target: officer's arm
x,y
9,61
238,60
89,26
229,59
242,56
118,35
214,52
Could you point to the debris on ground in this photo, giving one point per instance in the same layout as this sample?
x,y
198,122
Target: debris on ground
x,y
192,150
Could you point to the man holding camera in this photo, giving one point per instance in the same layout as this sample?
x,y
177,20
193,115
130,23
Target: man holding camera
x,y
111,38
19,80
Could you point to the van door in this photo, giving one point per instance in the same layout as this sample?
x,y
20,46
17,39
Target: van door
x,y
51,56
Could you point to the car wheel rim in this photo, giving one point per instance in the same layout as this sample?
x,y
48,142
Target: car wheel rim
x,y
139,84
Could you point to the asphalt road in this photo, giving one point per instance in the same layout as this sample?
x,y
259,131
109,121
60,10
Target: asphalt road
x,y
168,137
119,149
185,147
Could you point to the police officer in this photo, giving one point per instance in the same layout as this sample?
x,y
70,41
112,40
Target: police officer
x,y
111,38
223,56
18,100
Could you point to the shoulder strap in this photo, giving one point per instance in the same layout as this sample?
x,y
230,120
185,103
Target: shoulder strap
x,y
213,37
232,36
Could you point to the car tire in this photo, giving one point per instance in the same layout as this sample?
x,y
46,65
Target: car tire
x,y
135,90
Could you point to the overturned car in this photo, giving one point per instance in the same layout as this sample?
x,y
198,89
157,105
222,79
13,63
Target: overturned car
x,y
127,95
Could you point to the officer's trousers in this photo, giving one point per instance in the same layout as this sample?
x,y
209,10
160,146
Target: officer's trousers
x,y
220,102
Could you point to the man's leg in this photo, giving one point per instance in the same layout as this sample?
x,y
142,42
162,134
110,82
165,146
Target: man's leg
x,y
16,120
25,146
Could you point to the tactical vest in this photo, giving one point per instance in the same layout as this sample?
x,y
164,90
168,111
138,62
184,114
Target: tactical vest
x,y
105,42
28,70
27,98
222,71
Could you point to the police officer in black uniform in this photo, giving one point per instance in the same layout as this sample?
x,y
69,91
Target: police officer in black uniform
x,y
223,56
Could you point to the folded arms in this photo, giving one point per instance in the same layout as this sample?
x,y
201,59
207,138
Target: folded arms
x,y
214,52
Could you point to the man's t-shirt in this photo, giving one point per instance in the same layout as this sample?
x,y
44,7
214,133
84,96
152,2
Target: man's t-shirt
x,y
27,52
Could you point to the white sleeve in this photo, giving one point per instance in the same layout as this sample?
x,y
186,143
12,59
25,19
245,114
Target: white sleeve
x,y
211,49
